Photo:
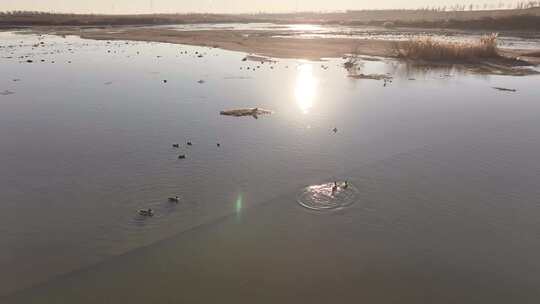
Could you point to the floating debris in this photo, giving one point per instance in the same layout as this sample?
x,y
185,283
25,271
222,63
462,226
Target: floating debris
x,y
371,76
108,83
505,89
254,112
260,59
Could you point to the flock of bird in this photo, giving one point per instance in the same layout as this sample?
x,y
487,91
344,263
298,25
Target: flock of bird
x,y
173,199
176,199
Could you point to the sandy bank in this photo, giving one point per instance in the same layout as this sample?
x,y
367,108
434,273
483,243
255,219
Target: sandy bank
x,y
266,43
257,42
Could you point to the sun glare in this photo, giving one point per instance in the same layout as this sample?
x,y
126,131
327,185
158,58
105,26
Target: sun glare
x,y
306,88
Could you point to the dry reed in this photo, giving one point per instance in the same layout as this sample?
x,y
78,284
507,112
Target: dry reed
x,y
441,50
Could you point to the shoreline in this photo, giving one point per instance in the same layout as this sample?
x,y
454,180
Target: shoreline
x,y
513,62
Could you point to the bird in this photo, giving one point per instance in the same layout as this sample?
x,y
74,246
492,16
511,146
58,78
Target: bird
x,y
334,188
335,130
218,144
176,145
181,156
189,143
174,199
148,212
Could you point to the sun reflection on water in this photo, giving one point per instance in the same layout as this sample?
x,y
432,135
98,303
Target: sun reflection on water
x,y
306,87
305,27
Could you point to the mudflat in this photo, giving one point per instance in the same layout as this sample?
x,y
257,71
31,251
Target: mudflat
x,y
270,43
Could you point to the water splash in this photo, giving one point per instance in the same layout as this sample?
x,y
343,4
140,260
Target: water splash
x,y
323,197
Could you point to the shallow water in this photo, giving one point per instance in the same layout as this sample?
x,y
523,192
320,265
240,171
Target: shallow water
x,y
87,141
508,39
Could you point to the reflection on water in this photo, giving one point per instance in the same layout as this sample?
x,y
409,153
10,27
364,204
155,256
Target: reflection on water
x,y
305,27
80,159
328,196
306,87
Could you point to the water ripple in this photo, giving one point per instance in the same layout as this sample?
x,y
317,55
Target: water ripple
x,y
321,197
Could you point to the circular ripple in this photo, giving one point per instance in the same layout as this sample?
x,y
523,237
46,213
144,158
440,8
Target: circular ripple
x,y
320,197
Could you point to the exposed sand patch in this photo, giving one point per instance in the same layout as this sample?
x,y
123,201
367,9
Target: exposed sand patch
x,y
266,44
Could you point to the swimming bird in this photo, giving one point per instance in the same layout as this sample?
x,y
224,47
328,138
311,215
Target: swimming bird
x,y
147,212
189,143
335,130
181,156
218,144
334,188
176,145
174,199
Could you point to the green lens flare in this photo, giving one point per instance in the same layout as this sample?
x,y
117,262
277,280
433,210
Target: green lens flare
x,y
238,206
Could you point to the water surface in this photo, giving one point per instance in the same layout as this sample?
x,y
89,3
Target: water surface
x,y
445,166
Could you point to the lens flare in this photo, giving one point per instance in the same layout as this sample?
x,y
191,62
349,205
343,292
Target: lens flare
x,y
238,204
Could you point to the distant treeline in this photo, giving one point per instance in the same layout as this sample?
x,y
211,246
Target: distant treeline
x,y
511,19
23,18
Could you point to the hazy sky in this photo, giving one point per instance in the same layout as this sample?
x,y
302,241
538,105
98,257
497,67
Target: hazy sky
x,y
229,6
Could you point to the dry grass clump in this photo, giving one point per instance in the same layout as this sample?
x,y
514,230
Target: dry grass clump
x,y
353,59
441,50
